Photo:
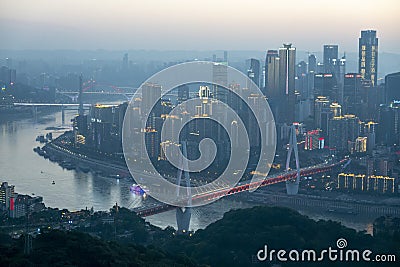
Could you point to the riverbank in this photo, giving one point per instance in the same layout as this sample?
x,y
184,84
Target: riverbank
x,y
61,152
11,112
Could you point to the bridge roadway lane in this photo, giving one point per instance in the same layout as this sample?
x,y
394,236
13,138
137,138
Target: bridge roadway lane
x,y
219,192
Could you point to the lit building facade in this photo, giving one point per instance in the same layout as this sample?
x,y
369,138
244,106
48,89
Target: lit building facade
x,y
287,64
324,85
313,140
343,132
368,56
362,182
331,53
361,144
6,192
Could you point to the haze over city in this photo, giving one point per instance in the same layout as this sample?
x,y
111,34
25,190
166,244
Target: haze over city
x,y
195,25
199,133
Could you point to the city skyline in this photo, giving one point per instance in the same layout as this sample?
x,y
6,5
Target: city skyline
x,y
233,25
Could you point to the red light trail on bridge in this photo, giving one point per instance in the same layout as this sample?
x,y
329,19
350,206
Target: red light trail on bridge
x,y
159,208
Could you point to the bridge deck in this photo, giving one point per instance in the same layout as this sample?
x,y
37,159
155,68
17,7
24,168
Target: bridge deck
x,y
282,177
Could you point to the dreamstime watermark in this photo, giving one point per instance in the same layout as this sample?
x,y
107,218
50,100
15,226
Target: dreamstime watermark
x,y
338,253
144,142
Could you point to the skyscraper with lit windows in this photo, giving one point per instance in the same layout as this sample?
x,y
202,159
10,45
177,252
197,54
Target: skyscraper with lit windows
x,y
287,55
330,56
368,56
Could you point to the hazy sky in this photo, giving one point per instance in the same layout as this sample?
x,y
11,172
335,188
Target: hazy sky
x,y
196,24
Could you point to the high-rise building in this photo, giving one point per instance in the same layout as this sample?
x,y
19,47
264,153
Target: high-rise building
x,y
302,80
312,69
287,55
220,76
7,76
183,93
351,92
336,109
151,93
287,63
301,68
341,70
388,131
271,73
313,140
324,85
392,88
368,56
253,70
6,192
361,144
335,66
125,62
312,63
330,56
368,130
322,115
104,130
343,132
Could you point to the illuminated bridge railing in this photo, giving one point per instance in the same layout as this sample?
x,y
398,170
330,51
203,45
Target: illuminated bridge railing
x,y
161,207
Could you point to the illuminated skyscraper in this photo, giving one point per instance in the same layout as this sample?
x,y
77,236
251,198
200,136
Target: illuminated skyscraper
x,y
343,132
287,55
287,63
324,85
368,56
330,56
6,192
322,114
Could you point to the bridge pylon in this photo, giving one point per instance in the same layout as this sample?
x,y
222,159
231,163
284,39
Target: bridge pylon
x,y
292,186
183,214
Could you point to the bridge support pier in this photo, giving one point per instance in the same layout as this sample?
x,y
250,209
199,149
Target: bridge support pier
x,y
183,214
292,186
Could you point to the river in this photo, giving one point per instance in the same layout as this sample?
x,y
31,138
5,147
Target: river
x,y
75,190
